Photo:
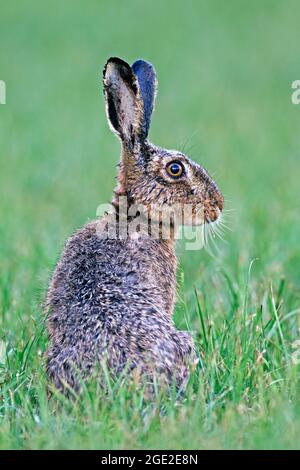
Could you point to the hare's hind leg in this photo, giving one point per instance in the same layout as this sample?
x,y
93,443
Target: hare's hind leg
x,y
162,352
64,370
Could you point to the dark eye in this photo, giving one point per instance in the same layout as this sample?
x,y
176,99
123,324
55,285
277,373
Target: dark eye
x,y
175,169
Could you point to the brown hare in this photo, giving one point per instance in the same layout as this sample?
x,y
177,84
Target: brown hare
x,y
111,298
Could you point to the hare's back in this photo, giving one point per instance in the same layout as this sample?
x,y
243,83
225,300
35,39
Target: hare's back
x,y
105,277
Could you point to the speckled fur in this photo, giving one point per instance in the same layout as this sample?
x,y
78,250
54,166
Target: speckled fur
x,y
112,299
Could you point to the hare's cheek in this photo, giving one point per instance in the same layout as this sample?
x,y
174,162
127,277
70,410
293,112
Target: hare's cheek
x,y
199,216
194,214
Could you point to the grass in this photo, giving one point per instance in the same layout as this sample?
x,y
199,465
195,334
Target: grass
x,y
225,71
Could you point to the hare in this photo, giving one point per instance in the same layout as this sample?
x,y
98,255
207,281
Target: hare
x,y
111,298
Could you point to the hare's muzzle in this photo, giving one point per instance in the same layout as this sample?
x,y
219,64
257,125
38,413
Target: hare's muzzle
x,y
219,198
213,207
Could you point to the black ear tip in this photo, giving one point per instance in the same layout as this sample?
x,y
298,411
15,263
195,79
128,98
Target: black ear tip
x,y
117,62
141,66
122,68
145,73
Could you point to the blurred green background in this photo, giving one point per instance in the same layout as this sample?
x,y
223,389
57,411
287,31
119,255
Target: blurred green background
x,y
224,71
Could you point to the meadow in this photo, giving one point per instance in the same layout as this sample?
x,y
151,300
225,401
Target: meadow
x,y
225,71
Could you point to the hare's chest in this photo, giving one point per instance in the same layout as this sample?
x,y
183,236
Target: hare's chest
x,y
155,266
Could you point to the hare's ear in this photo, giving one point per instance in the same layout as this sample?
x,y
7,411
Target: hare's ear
x,y
124,105
145,73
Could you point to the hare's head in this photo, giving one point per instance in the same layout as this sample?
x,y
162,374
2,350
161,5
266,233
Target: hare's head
x,y
150,175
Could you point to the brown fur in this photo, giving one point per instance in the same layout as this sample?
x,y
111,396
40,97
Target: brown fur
x,y
113,299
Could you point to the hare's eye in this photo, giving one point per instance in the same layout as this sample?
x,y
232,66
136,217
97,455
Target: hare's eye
x,y
175,169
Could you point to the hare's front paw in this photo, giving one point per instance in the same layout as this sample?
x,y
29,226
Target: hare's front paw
x,y
187,347
185,342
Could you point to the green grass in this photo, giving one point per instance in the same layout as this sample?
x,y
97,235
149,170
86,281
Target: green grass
x,y
225,71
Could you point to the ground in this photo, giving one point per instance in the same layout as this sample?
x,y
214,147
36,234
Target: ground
x,y
225,71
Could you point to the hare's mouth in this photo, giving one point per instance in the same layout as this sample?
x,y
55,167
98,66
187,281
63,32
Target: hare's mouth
x,y
211,214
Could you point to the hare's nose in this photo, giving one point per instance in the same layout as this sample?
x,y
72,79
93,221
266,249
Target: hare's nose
x,y
219,200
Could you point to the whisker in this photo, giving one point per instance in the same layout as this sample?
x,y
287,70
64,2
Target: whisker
x,y
184,145
211,238
229,210
219,232
224,227
215,246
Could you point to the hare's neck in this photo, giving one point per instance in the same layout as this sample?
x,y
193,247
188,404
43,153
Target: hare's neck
x,y
160,265
170,260
156,255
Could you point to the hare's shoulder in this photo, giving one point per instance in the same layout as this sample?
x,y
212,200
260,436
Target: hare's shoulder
x,y
89,241
92,241
91,255
87,263
92,266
